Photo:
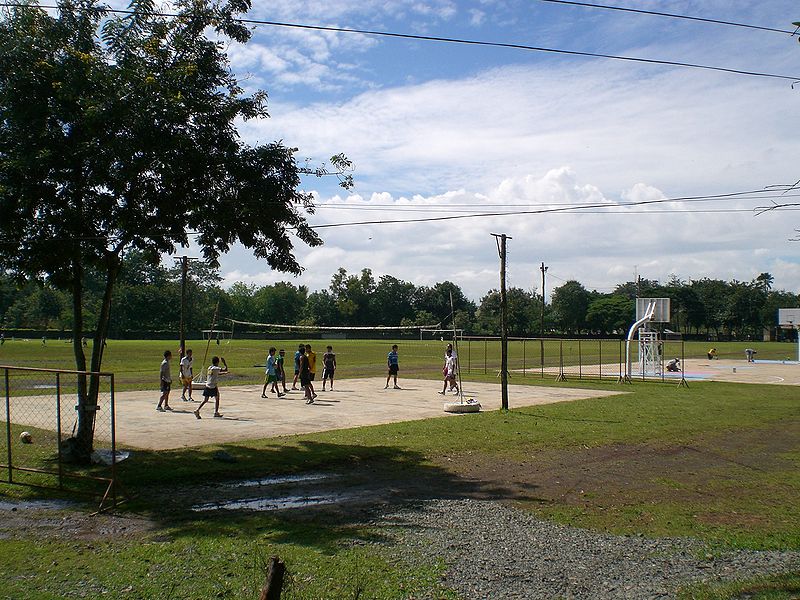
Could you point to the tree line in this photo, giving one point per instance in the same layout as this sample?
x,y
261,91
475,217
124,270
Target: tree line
x,y
147,299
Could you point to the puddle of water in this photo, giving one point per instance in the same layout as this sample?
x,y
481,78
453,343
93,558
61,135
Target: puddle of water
x,y
278,480
267,504
35,504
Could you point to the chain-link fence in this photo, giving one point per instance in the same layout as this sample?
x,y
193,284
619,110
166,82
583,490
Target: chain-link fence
x,y
565,358
59,431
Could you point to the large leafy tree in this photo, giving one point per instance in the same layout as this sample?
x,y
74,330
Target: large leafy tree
x,y
522,312
569,304
613,313
118,134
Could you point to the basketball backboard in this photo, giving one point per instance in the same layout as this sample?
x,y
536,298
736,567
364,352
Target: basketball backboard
x,y
789,317
662,312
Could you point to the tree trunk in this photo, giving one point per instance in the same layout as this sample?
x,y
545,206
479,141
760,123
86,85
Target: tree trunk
x,y
83,443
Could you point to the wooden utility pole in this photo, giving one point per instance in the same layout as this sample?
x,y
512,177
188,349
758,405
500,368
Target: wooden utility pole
x,y
543,269
184,277
501,238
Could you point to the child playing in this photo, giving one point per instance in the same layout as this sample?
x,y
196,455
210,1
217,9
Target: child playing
x,y
393,363
212,389
329,366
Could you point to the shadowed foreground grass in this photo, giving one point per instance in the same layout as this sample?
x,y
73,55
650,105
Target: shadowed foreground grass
x,y
735,495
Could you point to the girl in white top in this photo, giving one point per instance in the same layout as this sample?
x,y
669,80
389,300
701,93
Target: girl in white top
x,y
212,389
449,372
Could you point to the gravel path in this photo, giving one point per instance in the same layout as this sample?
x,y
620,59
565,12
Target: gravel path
x,y
495,551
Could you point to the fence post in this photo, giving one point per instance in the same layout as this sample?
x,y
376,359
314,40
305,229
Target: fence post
x,y
561,376
541,347
113,444
58,432
524,364
580,360
469,355
600,356
485,350
8,425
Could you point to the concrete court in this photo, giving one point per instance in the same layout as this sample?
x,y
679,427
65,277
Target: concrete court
x,y
702,369
355,402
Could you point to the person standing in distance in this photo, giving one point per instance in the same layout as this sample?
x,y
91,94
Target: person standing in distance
x,y
393,362
300,350
305,376
280,367
312,368
186,376
328,366
212,385
166,383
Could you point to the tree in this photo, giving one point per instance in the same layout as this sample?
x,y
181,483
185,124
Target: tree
x,y
569,304
391,301
436,301
281,303
119,133
320,309
522,312
352,295
610,314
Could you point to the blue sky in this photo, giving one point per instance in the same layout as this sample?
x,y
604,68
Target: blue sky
x,y
437,128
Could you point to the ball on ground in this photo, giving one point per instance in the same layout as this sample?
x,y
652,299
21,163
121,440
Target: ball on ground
x,y
25,437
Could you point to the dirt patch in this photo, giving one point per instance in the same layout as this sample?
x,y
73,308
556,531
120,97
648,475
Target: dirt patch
x,y
625,474
71,524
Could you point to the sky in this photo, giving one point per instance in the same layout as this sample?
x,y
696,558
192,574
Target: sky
x,y
437,129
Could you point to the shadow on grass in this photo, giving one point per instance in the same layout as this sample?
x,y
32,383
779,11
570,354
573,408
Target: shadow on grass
x,y
366,479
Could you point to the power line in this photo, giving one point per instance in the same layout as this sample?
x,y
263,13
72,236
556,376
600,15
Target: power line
x,y
465,207
566,209
451,40
670,15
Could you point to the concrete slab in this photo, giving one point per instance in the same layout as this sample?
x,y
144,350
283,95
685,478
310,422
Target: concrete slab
x,y
356,402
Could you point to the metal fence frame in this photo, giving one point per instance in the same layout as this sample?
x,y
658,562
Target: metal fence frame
x,y
582,358
53,422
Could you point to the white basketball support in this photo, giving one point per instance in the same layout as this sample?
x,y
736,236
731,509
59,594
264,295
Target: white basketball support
x,y
649,352
648,315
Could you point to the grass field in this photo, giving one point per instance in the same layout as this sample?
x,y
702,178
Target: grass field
x,y
717,461
136,363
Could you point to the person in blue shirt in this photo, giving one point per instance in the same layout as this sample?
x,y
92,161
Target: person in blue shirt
x,y
271,375
393,363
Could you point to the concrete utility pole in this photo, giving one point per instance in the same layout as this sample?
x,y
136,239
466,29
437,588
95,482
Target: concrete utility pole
x,y
543,269
501,238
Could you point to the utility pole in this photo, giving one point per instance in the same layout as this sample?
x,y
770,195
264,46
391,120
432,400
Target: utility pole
x,y
501,238
543,269
184,261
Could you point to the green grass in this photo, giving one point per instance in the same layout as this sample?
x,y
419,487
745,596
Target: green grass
x,y
733,494
779,587
135,363
201,564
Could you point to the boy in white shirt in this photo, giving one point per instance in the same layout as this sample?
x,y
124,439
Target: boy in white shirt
x,y
212,383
